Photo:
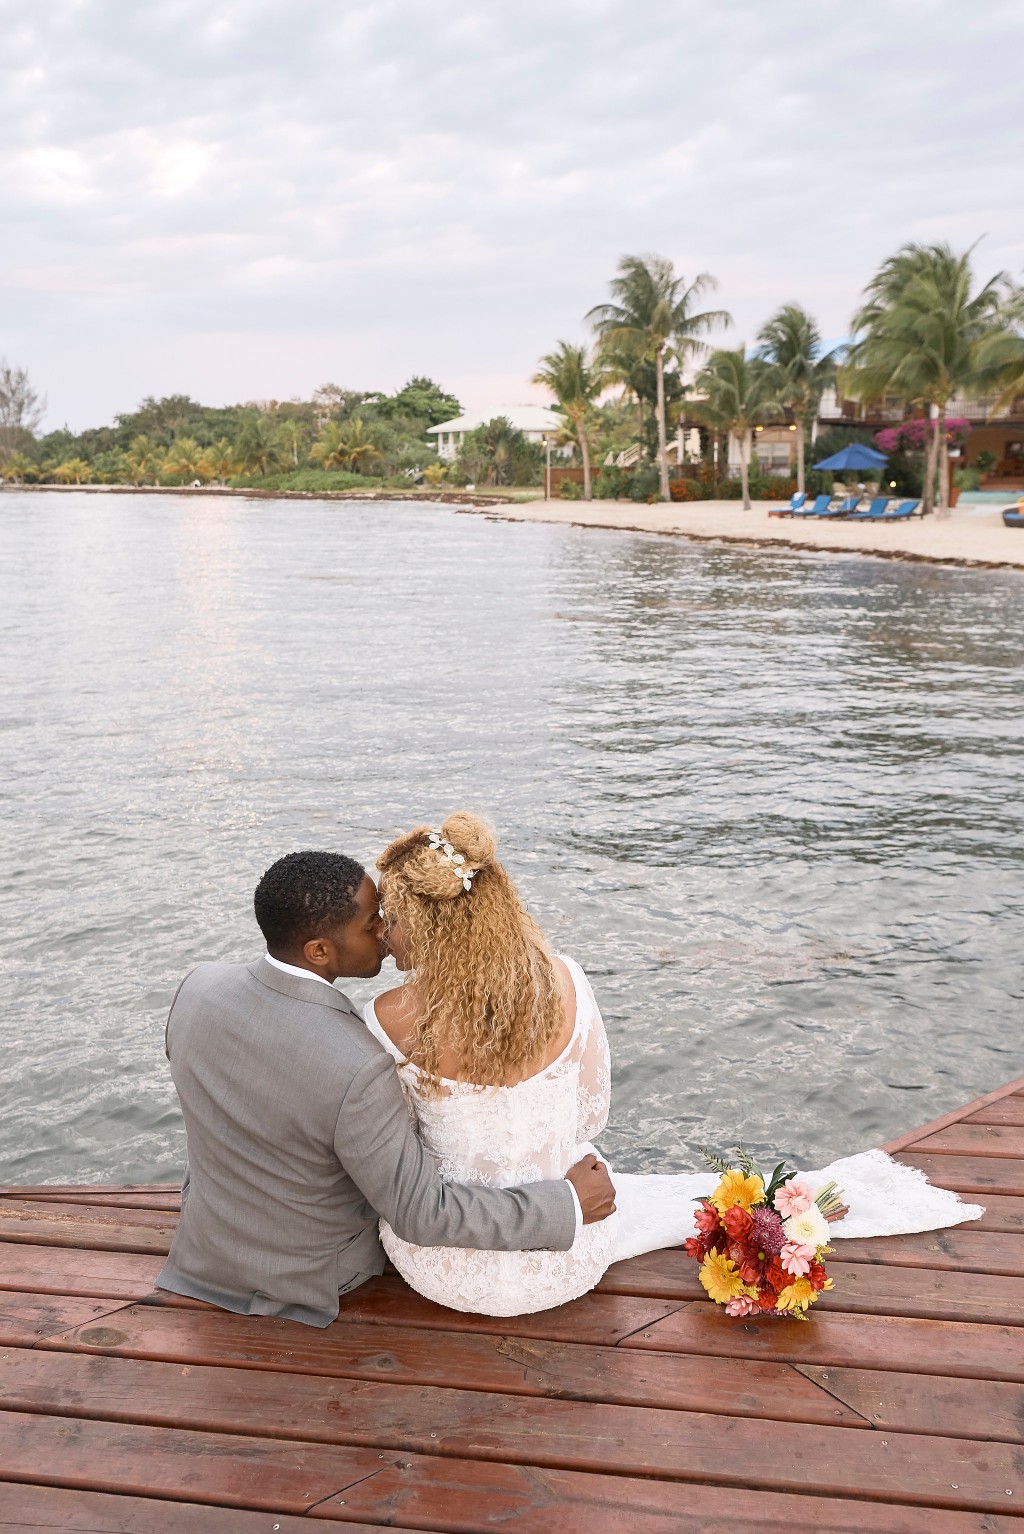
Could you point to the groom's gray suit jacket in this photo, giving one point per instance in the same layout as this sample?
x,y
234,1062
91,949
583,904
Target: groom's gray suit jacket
x,y
298,1137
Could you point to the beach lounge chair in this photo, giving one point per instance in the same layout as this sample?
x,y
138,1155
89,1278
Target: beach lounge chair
x,y
874,511
904,510
796,501
1013,516
819,509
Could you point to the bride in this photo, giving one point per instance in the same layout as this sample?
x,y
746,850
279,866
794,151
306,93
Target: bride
x,y
503,1056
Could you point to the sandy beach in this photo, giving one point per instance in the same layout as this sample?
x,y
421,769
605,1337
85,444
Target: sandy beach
x,y
969,535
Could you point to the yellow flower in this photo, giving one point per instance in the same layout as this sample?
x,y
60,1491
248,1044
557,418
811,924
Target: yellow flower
x,y
797,1295
719,1276
735,1189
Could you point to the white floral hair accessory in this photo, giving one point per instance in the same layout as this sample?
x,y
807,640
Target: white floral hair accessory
x,y
458,862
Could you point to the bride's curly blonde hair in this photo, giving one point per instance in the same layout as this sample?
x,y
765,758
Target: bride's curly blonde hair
x,y
482,970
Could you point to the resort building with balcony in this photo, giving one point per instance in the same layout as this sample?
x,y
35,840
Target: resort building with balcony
x,y
535,422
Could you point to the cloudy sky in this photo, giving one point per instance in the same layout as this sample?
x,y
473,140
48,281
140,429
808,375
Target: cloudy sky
x,y
244,199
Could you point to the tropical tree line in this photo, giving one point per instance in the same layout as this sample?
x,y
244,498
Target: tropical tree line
x,y
926,330
176,440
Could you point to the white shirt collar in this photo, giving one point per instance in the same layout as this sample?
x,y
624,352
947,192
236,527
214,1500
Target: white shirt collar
x,y
293,969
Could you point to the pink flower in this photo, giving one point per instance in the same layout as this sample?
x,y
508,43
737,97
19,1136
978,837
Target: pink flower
x,y
797,1259
794,1197
742,1305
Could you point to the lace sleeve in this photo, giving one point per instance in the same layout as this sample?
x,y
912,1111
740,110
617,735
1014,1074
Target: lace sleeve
x,y
594,1092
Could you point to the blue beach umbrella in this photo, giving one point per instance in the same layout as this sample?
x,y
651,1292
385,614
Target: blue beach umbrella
x,y
856,456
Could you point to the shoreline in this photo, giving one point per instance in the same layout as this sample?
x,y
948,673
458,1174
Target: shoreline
x,y
979,541
968,539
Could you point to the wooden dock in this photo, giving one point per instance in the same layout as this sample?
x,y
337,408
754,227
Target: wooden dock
x,y
640,1409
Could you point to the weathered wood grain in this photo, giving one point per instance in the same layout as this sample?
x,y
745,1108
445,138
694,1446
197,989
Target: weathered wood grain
x,y
270,1473
976,1175
38,1508
471,1497
25,1318
507,1365
906,1403
73,1271
596,1318
1003,1140
95,1228
612,1440
1008,1110
953,1348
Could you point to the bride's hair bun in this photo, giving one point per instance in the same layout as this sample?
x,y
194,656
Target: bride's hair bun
x,y
428,872
472,837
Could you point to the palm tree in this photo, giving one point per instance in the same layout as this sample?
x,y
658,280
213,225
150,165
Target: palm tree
x,y
184,456
220,462
73,471
1001,356
739,393
345,445
259,445
14,467
361,447
922,334
791,342
576,382
142,461
652,319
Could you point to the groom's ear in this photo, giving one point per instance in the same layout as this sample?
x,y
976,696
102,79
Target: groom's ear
x,y
318,951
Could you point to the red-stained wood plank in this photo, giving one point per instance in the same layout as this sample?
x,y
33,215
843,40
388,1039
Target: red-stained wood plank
x,y
69,1271
596,1318
468,1497
1011,1089
910,1403
418,1419
1009,1110
1001,1213
976,1175
166,1203
963,1249
38,1508
25,1318
505,1365
221,1468
926,1291
954,1348
77,1225
1003,1140
76,1191
612,1440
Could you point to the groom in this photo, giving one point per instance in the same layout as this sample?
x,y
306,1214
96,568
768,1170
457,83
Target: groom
x,y
298,1133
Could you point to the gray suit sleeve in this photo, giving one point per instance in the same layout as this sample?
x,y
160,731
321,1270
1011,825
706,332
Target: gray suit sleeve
x,y
382,1153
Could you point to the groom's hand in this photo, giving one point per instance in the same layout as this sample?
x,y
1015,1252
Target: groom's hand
x,y
594,1189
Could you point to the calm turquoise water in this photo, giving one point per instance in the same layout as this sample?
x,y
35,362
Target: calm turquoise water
x,y
770,801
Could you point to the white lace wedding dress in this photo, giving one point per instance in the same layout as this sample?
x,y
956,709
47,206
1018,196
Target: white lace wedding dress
x,y
505,1136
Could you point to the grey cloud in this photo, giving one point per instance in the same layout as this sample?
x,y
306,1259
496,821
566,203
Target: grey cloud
x,y
245,198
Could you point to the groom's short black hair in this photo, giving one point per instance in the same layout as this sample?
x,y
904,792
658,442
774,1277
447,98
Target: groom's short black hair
x,y
305,895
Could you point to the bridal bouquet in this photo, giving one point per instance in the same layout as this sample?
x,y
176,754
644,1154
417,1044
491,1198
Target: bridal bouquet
x,y
761,1242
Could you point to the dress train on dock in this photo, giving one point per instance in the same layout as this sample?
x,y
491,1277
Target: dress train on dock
x,y
505,1136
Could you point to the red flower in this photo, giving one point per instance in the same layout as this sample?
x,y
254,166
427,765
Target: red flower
x,y
767,1298
776,1275
697,1248
706,1218
817,1276
738,1223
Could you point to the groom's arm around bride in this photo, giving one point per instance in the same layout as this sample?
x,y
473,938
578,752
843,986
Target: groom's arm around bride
x,y
297,1130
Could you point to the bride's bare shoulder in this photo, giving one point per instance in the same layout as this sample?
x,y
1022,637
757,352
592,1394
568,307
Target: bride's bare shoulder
x,y
396,1013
